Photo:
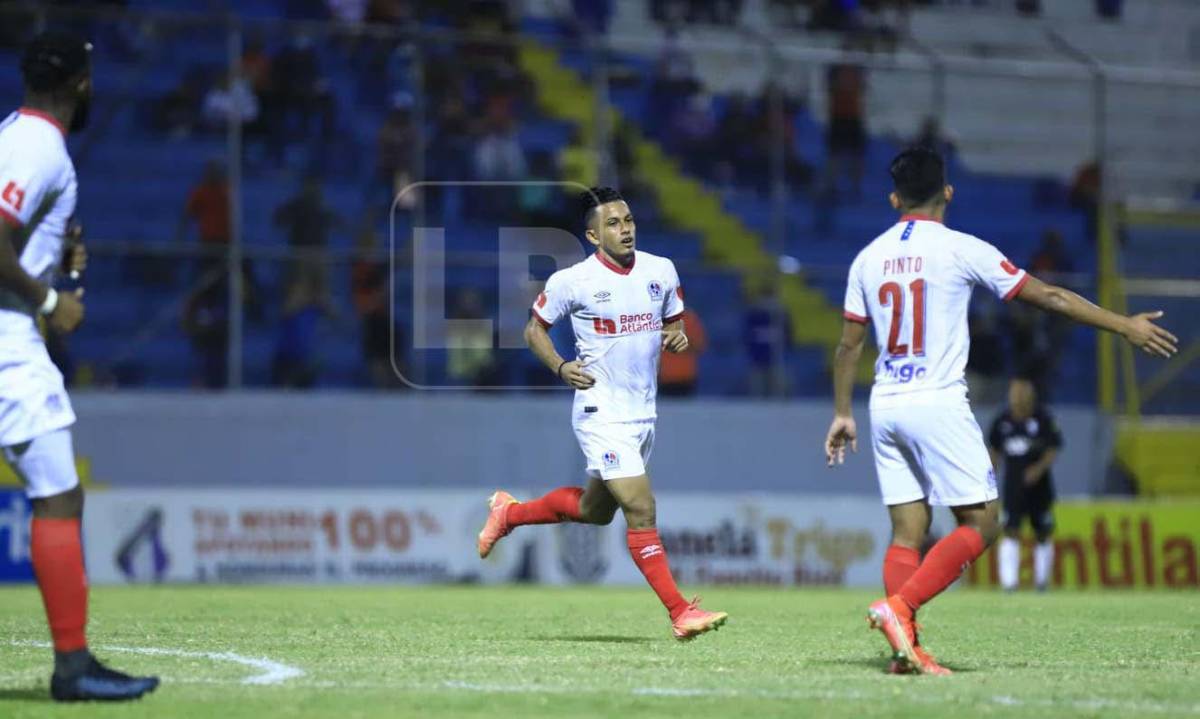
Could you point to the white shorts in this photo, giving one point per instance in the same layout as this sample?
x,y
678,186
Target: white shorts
x,y
615,449
33,400
46,464
931,451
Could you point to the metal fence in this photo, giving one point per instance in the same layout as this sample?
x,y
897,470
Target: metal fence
x,y
327,148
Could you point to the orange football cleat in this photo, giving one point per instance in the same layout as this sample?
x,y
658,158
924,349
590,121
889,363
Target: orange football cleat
x,y
926,664
694,621
496,525
897,628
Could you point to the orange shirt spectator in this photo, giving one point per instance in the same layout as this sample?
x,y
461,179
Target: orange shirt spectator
x,y
677,373
208,206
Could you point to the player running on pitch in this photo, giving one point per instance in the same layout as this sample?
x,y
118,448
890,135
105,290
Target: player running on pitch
x,y
37,200
625,307
914,283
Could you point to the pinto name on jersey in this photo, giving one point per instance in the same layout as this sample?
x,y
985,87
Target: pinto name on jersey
x,y
914,283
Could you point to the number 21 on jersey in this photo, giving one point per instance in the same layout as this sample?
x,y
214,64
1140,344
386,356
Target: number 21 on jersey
x,y
892,294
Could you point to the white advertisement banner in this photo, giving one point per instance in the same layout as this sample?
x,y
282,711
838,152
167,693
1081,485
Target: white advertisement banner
x,y
414,536
235,536
715,539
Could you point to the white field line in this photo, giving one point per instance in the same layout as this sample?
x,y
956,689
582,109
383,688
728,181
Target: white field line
x,y
270,672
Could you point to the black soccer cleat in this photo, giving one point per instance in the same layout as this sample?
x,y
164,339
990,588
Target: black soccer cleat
x,y
99,683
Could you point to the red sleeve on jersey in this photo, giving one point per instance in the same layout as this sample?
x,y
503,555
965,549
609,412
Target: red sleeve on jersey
x,y
542,320
10,218
1016,290
854,318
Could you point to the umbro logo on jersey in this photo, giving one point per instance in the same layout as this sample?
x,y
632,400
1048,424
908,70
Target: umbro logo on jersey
x,y
611,460
602,295
603,326
655,289
650,550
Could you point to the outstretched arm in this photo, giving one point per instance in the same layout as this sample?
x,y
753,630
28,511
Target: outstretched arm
x,y
1137,329
845,365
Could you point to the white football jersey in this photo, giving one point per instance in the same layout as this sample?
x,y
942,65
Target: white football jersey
x,y
913,283
37,198
618,314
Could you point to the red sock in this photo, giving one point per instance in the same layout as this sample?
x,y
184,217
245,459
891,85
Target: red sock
x,y
899,563
561,505
651,558
58,563
944,563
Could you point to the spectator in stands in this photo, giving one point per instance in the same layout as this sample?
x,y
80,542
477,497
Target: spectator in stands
x,y
499,155
766,335
846,137
302,92
308,223
369,292
395,145
1051,257
208,207
774,137
306,302
1085,196
691,133
678,372
471,355
178,113
230,101
932,136
737,142
674,79
206,323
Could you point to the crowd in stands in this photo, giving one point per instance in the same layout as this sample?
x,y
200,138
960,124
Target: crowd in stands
x,y
469,114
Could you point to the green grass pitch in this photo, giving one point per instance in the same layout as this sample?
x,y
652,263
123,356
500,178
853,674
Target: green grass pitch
x,y
544,652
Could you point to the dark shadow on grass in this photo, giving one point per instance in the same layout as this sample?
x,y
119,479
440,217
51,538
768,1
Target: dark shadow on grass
x,y
24,695
600,638
881,664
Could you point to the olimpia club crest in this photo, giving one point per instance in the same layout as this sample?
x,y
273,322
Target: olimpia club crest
x,y
582,553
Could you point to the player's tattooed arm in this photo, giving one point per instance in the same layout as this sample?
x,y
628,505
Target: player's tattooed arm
x,y
674,339
843,431
539,342
1139,330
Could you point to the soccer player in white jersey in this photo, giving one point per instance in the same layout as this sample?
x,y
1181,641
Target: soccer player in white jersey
x,y
913,283
626,308
37,200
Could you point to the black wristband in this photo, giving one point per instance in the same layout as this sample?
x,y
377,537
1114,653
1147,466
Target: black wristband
x,y
559,370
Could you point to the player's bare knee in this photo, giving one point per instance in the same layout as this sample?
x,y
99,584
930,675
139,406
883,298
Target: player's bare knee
x,y
640,512
597,512
67,505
